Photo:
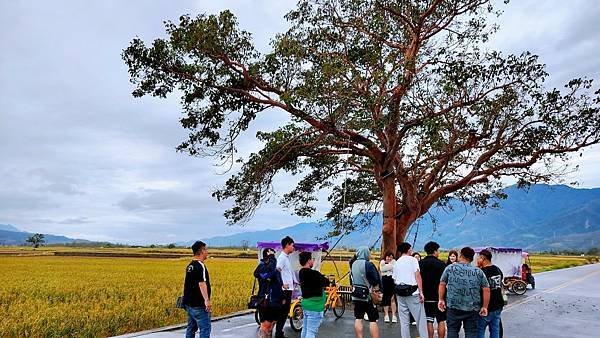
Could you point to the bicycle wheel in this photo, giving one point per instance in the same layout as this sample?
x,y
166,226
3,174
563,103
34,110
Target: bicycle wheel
x,y
339,307
296,318
257,317
519,287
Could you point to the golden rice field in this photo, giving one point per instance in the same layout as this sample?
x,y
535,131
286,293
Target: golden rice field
x,y
48,296
54,296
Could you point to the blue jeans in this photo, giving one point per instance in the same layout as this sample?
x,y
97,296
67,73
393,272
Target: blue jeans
x,y
310,323
493,320
198,319
456,318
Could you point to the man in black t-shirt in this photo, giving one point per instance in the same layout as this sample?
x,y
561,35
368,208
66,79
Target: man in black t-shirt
x,y
431,271
196,293
494,277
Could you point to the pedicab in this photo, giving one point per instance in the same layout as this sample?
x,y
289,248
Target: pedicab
x,y
510,262
526,273
334,300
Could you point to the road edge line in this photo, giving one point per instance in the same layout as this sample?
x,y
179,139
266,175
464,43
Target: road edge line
x,y
182,325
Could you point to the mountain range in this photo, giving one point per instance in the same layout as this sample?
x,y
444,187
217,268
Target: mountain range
x,y
541,218
11,235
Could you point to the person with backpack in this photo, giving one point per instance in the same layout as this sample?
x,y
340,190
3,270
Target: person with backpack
x,y
363,277
270,293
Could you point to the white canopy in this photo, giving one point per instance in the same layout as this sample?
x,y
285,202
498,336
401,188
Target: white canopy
x,y
509,260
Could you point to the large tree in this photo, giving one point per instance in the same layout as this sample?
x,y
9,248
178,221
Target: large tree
x,y
36,240
400,102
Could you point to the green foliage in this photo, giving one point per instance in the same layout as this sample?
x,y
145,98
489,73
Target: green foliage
x,y
374,90
36,240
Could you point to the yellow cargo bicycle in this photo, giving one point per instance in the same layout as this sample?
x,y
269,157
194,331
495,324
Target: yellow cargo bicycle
x,y
334,302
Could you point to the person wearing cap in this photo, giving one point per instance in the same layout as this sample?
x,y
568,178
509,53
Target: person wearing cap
x,y
196,293
270,294
494,276
289,279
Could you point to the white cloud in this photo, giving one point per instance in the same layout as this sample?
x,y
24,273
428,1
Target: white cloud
x,y
83,158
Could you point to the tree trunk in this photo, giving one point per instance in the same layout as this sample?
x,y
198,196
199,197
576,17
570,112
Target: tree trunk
x,y
402,225
388,231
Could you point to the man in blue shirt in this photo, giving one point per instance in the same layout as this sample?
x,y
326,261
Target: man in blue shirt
x,y
462,285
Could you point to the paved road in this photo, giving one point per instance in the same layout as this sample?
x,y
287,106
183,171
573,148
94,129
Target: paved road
x,y
565,303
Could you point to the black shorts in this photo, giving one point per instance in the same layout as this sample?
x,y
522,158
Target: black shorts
x,y
362,307
269,313
433,313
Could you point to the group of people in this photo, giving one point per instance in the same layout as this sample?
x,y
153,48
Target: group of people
x,y
276,282
424,291
454,294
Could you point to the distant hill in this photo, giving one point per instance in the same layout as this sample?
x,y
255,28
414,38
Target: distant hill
x,y
8,227
17,237
545,217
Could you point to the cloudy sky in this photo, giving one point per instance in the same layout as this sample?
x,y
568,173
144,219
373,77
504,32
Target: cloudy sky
x,y
81,157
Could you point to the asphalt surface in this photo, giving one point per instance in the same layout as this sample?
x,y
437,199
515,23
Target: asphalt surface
x,y
565,303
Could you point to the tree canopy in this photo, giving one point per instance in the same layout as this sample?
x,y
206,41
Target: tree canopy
x,y
401,102
36,240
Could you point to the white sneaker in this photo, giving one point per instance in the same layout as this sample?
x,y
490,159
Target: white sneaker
x,y
394,319
386,319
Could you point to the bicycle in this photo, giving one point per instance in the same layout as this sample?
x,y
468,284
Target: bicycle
x,y
334,301
515,285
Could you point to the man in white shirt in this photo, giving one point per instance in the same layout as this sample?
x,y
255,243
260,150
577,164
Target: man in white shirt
x,y
284,265
409,291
